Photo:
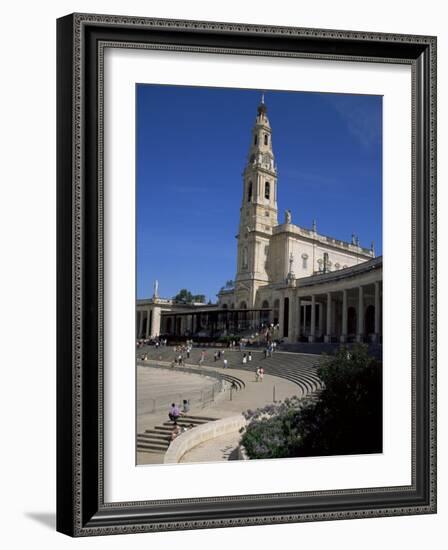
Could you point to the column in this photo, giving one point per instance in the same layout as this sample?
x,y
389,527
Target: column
x,y
321,319
327,337
292,319
299,317
155,325
377,312
360,335
140,325
280,316
313,319
344,316
148,323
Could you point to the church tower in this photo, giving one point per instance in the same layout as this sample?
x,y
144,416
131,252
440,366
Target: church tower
x,y
258,213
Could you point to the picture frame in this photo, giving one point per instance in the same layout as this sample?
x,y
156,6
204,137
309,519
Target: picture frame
x,y
81,507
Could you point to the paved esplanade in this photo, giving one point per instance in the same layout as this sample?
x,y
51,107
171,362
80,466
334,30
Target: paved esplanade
x,y
286,375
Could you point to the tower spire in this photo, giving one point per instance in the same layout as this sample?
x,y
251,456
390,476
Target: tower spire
x,y
258,212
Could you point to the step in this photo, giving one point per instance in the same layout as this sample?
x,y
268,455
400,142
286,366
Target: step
x,y
152,446
163,430
155,443
207,418
155,433
154,437
185,423
193,419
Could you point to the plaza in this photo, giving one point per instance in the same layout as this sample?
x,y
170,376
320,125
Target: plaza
x,y
159,384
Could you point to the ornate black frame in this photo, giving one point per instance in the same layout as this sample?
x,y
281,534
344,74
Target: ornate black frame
x,y
81,39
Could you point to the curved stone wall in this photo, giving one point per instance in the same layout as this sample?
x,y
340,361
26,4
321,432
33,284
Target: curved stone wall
x,y
191,438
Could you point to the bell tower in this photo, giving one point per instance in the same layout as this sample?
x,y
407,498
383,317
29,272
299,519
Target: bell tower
x,y
258,212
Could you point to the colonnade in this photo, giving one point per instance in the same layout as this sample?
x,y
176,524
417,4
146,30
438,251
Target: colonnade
x,y
148,322
346,314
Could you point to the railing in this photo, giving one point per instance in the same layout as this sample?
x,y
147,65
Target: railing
x,y
196,398
224,387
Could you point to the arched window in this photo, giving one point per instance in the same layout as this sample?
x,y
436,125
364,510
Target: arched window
x,y
266,139
249,192
243,305
224,306
265,304
267,190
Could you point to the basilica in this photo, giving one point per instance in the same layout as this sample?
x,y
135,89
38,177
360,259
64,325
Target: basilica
x,y
310,287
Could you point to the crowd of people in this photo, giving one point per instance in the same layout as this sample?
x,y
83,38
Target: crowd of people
x,y
157,342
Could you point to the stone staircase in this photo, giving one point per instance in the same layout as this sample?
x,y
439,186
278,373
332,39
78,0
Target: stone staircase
x,y
158,439
297,368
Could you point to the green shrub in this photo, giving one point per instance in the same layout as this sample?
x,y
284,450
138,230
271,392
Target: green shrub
x,y
346,418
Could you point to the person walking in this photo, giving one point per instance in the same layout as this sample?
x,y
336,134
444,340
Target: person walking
x,y
225,363
244,359
257,374
261,374
249,356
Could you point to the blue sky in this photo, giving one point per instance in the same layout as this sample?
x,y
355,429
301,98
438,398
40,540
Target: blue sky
x,y
192,146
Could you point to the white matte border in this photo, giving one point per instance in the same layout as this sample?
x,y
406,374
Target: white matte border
x,y
123,481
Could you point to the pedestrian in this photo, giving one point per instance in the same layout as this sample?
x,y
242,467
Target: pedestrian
x,y
257,374
174,413
244,358
185,406
249,356
215,356
225,363
219,354
265,352
261,374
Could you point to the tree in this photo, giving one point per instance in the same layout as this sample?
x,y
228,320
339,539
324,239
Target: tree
x,y
186,296
345,419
